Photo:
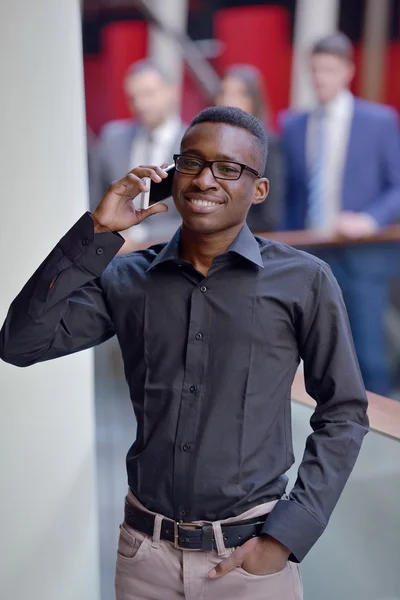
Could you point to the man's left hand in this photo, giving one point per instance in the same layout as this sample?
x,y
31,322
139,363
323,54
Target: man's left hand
x,y
355,225
258,556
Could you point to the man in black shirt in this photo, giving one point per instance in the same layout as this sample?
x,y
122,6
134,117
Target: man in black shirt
x,y
212,327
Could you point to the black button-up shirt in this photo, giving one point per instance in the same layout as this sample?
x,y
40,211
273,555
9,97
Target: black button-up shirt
x,y
209,362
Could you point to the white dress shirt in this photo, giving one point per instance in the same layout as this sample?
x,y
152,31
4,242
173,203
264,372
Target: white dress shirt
x,y
152,148
338,115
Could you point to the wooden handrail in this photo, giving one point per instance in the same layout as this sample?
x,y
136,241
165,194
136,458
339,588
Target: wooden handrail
x,y
383,413
304,238
310,238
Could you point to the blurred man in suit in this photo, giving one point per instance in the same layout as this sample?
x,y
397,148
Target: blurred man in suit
x,y
151,137
343,168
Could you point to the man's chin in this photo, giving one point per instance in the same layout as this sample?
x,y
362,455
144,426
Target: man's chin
x,y
202,225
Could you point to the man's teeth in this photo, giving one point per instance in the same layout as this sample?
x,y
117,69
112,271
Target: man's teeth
x,y
204,202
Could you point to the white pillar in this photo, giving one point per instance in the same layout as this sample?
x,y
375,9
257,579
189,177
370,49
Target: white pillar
x,y
48,514
313,20
162,49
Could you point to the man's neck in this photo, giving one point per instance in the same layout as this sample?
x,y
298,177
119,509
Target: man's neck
x,y
200,249
171,119
342,93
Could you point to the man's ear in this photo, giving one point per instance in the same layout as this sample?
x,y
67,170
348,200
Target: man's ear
x,y
261,190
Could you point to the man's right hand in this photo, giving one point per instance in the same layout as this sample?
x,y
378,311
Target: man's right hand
x,y
116,211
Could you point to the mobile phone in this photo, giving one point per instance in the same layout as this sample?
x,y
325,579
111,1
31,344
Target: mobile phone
x,y
159,191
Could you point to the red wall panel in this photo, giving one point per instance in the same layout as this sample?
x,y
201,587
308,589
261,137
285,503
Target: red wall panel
x,y
358,57
94,80
392,85
260,36
193,100
123,43
391,90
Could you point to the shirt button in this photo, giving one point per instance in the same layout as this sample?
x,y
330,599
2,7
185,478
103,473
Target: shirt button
x,y
99,251
186,447
203,288
199,336
85,242
193,388
182,512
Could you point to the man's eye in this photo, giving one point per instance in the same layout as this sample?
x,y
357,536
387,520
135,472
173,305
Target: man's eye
x,y
188,162
228,169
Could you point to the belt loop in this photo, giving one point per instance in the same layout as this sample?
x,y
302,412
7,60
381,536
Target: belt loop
x,y
219,538
157,531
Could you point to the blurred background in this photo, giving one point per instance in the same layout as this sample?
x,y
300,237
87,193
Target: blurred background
x,y
149,68
93,88
265,34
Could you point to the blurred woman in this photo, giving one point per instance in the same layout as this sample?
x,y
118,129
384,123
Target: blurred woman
x,y
242,87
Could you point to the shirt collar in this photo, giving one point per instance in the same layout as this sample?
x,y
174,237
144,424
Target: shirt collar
x,y
341,105
170,252
166,130
245,245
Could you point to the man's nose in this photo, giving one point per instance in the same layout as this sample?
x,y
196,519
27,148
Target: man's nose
x,y
205,180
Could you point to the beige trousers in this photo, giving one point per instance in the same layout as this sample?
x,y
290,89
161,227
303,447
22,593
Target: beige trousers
x,y
152,569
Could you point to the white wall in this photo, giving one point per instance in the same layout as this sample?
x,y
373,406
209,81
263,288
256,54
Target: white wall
x,y
163,50
48,513
314,19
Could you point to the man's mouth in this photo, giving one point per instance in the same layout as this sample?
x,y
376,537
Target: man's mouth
x,y
203,203
198,202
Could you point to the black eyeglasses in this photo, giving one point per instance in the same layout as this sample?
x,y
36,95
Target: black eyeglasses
x,y
221,169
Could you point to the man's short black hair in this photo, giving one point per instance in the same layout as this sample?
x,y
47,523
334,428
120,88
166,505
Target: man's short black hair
x,y
237,118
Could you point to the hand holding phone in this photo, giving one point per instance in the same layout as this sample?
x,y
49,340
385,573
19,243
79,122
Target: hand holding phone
x,y
159,191
116,211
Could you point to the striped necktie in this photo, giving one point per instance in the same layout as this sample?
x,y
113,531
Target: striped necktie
x,y
147,160
315,212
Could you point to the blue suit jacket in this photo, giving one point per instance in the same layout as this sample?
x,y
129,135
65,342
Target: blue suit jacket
x,y
371,181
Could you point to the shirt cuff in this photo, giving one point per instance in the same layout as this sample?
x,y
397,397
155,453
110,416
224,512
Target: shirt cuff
x,y
375,226
379,216
294,527
90,250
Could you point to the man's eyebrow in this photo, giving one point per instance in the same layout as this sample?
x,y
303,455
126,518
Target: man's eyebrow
x,y
226,157
219,156
191,152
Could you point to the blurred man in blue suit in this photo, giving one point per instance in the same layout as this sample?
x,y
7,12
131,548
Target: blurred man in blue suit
x,y
343,169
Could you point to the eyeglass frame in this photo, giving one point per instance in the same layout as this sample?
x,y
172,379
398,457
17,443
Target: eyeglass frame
x,y
210,163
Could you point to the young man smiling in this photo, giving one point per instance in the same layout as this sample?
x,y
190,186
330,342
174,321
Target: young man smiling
x,y
212,327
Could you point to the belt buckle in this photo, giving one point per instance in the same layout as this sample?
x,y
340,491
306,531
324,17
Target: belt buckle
x,y
178,524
